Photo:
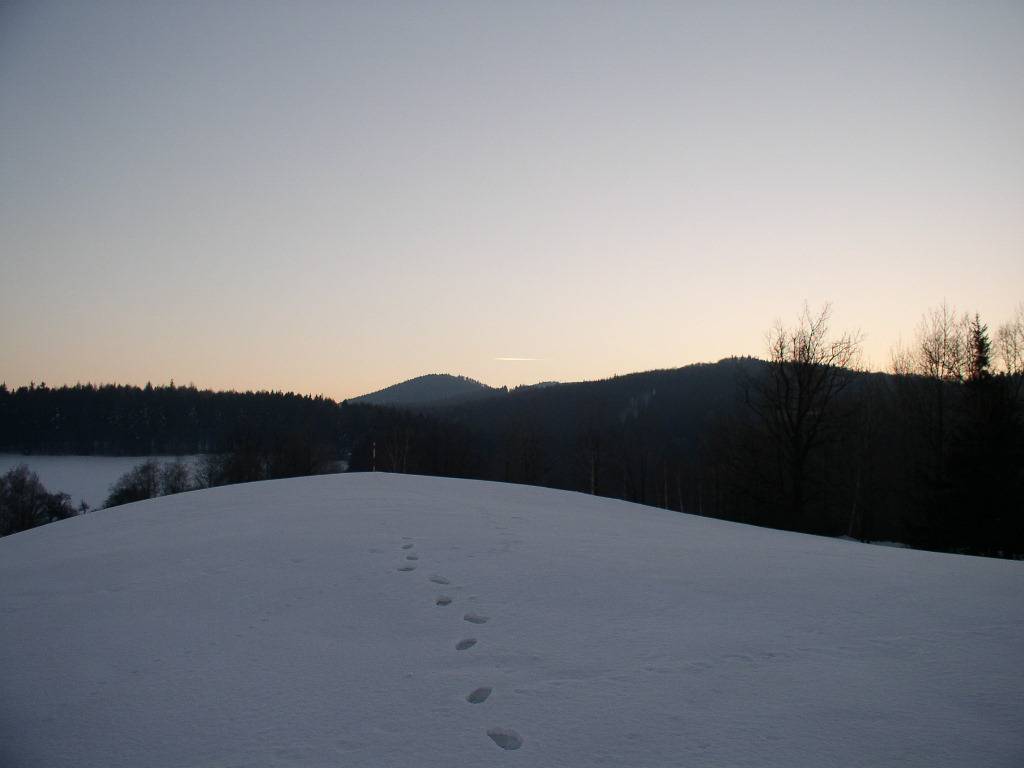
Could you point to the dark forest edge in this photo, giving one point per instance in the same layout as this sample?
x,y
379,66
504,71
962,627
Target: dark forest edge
x,y
930,454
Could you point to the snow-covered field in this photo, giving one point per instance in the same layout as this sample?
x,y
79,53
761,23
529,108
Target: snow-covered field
x,y
353,620
83,478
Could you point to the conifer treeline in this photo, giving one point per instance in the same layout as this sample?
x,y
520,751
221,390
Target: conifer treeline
x,y
123,420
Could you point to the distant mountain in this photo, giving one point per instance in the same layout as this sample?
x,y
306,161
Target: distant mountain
x,y
434,388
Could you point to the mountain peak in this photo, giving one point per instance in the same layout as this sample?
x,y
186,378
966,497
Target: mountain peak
x,y
430,388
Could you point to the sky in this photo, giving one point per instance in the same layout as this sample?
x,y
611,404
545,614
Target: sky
x,y
331,197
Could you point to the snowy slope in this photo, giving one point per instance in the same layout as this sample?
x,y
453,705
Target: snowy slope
x,y
270,624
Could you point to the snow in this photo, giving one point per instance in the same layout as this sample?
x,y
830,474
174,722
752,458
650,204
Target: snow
x,y
83,478
269,624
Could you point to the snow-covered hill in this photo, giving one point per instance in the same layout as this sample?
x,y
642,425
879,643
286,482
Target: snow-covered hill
x,y
328,621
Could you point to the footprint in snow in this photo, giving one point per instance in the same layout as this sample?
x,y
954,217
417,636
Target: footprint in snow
x,y
506,738
439,580
443,600
407,568
462,645
475,618
407,546
412,557
479,696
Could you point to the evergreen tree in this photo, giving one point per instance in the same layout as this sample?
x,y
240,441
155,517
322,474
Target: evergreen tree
x,y
981,351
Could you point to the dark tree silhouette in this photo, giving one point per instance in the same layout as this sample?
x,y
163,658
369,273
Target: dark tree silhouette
x,y
980,359
797,402
25,503
139,483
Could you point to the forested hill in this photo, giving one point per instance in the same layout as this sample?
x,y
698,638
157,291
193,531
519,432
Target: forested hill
x,y
574,436
430,389
135,421
929,462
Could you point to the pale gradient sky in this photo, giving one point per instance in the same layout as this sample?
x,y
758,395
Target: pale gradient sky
x,y
331,197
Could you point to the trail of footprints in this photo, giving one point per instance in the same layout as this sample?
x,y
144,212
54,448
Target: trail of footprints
x,y
506,738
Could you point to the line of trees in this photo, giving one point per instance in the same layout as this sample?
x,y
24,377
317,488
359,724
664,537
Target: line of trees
x,y
960,403
253,457
930,454
150,479
117,420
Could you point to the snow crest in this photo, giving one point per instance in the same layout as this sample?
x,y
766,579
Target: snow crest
x,y
281,624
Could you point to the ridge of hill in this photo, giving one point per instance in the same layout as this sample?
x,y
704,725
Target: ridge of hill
x,y
429,389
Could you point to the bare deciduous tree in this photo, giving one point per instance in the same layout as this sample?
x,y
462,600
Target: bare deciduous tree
x,y
939,359
139,483
796,401
1010,350
942,349
175,477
